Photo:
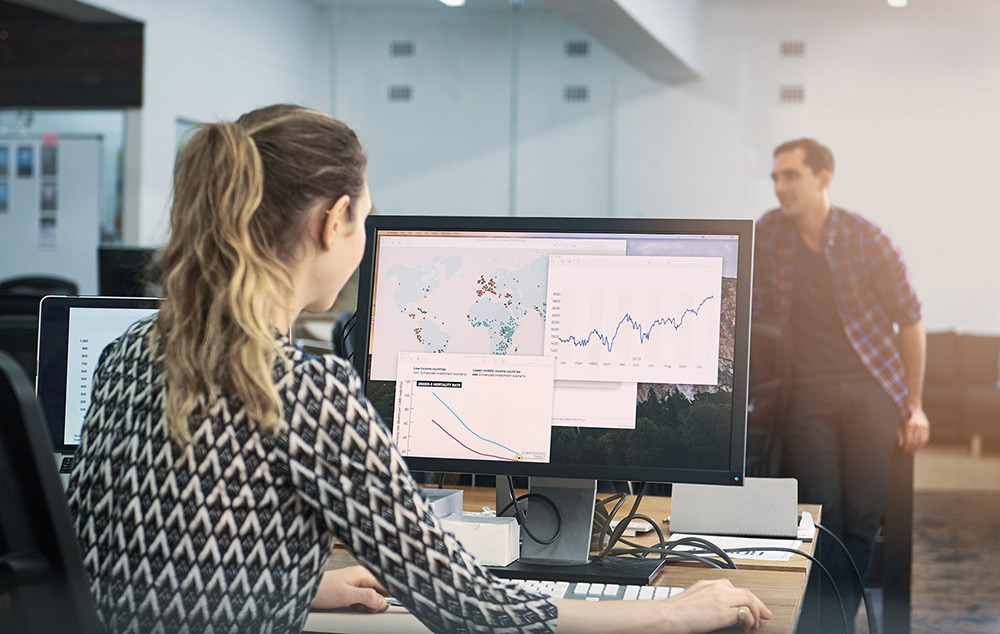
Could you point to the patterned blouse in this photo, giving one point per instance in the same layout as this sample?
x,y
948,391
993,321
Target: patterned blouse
x,y
232,533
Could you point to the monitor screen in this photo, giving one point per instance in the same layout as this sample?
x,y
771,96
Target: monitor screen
x,y
599,348
122,271
72,334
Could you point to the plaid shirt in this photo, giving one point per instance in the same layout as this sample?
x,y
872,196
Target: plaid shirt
x,y
870,284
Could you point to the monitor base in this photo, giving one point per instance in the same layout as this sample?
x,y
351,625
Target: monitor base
x,y
620,570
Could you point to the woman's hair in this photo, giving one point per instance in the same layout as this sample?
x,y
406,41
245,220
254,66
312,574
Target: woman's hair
x,y
239,212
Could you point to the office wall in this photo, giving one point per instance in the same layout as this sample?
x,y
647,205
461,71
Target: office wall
x,y
448,149
210,60
907,99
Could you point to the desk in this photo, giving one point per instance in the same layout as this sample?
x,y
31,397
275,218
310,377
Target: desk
x,y
780,585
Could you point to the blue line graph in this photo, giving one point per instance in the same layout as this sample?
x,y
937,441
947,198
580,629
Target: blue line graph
x,y
608,342
459,418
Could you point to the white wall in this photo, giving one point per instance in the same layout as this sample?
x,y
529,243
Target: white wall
x,y
205,61
907,99
448,150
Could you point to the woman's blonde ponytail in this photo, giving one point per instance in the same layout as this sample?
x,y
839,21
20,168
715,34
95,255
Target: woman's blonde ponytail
x,y
240,193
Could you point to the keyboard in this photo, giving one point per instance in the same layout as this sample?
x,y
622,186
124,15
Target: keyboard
x,y
598,591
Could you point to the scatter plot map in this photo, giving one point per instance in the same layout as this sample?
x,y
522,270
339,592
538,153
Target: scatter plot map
x,y
488,296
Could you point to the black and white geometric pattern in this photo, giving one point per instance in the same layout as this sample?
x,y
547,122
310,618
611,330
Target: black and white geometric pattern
x,y
232,533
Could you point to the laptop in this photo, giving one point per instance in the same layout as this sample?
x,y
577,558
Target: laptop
x,y
72,333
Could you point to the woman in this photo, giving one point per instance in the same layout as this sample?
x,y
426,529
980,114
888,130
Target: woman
x,y
218,462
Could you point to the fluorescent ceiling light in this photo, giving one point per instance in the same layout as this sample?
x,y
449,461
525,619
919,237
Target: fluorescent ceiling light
x,y
896,4
458,3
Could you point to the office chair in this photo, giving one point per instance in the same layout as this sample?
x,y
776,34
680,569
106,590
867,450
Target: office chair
x,y
19,303
343,336
43,586
40,285
19,339
769,359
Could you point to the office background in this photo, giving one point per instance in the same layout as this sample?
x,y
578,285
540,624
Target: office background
x,y
492,109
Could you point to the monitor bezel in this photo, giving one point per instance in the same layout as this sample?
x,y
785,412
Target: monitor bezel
x,y
741,228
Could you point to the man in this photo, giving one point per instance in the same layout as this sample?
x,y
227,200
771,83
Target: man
x,y
838,285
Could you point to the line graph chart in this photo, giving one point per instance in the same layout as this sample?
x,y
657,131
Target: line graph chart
x,y
642,319
642,332
460,406
513,454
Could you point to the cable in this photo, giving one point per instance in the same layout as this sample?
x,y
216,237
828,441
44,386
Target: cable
x,y
669,550
623,524
869,612
523,521
680,555
602,518
707,545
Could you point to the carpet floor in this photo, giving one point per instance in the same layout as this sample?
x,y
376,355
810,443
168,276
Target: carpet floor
x,y
956,564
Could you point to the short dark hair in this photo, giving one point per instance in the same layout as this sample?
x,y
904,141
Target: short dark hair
x,y
818,156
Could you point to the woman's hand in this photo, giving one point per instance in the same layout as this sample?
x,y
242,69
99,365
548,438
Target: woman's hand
x,y
354,587
709,605
704,607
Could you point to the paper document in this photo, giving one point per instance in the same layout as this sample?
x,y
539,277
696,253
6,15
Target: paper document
x,y
806,527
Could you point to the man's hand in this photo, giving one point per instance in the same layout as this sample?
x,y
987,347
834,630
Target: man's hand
x,y
914,432
354,587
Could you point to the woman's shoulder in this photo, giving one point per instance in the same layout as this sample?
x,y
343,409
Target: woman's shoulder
x,y
322,368
134,340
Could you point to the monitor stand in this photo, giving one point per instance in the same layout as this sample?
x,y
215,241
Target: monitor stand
x,y
568,557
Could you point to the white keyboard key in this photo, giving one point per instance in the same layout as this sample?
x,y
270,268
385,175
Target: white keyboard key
x,y
596,589
631,593
611,590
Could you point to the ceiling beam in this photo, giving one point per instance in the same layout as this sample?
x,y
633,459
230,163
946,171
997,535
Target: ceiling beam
x,y
659,37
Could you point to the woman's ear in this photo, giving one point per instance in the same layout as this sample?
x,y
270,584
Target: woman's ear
x,y
336,218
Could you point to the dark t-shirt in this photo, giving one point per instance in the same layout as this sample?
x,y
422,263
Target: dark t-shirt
x,y
821,350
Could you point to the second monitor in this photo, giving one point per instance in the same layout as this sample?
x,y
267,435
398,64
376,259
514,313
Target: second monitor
x,y
569,348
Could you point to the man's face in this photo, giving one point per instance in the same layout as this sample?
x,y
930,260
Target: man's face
x,y
800,191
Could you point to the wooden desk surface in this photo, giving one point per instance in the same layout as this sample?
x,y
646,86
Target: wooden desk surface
x,y
780,585
780,590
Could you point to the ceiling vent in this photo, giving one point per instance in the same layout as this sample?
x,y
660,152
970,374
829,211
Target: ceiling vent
x,y
793,48
577,48
402,48
400,92
792,93
576,94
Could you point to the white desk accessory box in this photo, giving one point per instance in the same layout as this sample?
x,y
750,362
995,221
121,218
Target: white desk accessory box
x,y
444,502
762,507
494,541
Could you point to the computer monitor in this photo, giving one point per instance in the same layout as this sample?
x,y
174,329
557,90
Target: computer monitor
x,y
123,271
72,333
560,348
